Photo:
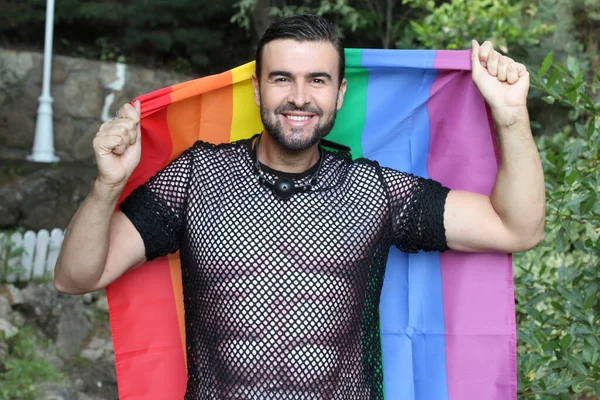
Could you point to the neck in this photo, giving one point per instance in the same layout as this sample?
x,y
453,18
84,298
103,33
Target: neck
x,y
271,154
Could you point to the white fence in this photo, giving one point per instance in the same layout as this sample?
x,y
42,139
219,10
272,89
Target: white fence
x,y
29,255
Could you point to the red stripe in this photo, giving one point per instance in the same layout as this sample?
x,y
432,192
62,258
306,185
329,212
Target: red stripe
x,y
143,317
141,304
156,146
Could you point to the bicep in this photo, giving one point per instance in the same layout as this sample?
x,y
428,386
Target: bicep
x,y
472,224
126,249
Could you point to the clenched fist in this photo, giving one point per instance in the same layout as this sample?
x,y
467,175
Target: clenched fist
x,y
118,147
503,82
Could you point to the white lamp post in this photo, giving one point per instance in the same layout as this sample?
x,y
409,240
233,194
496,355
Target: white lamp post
x,y
43,145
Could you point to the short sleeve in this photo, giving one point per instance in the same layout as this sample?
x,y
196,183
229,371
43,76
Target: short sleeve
x,y
157,207
417,207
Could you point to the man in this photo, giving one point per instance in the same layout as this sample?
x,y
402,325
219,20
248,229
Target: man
x,y
283,243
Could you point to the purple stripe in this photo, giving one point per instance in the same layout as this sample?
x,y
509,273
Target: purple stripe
x,y
480,344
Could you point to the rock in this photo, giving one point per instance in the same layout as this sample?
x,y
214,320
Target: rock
x,y
18,319
27,101
59,70
49,354
15,296
82,97
7,329
92,354
16,129
95,349
61,317
45,198
87,298
17,64
102,303
96,379
42,310
5,308
9,205
64,137
83,396
3,350
55,391
83,149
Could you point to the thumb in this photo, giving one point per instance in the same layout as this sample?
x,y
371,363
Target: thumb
x,y
138,108
475,63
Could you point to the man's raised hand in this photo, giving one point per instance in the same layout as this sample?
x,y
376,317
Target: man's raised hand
x,y
502,82
118,147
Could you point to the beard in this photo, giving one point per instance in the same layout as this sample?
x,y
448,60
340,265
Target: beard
x,y
297,141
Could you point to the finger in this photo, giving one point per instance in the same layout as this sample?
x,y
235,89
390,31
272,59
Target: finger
x,y
512,73
516,71
121,127
487,48
522,69
110,144
126,128
503,64
129,112
138,107
492,63
475,48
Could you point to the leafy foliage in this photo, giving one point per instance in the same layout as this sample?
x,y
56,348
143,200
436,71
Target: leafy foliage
x,y
24,368
557,284
179,33
254,15
10,255
452,25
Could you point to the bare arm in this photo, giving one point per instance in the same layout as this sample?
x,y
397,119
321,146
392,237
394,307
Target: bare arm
x,y
100,245
512,218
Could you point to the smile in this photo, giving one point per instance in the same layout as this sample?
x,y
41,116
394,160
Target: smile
x,y
298,117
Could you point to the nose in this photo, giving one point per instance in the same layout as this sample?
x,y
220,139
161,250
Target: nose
x,y
299,95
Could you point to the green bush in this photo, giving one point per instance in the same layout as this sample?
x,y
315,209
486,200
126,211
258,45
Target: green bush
x,y
557,284
24,368
452,25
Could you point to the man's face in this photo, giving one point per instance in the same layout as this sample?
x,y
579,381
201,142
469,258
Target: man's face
x,y
299,91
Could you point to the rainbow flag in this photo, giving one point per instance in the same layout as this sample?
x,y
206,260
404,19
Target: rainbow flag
x,y
447,320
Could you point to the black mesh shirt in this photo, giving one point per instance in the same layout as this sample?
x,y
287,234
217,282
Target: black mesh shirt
x,y
282,296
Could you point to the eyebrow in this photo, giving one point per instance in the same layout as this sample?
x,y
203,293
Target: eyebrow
x,y
287,74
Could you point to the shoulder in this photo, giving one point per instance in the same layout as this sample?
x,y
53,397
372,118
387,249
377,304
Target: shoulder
x,y
206,152
201,146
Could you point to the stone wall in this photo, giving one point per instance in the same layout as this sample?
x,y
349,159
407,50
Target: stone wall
x,y
86,93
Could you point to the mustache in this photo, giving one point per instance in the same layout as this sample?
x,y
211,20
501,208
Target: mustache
x,y
292,108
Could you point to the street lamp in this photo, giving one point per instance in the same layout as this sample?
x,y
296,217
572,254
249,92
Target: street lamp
x,y
43,145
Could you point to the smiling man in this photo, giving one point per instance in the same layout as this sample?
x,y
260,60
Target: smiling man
x,y
283,243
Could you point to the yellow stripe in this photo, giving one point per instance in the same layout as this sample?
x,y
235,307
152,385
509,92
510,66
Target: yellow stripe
x,y
246,116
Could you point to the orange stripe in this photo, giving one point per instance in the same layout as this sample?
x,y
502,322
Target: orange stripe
x,y
191,117
175,269
183,119
217,108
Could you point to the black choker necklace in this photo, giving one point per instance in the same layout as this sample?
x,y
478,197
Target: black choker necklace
x,y
284,187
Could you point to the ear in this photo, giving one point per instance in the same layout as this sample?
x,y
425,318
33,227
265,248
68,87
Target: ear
x,y
256,87
341,93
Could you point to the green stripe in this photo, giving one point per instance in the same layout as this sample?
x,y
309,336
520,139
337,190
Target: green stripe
x,y
350,122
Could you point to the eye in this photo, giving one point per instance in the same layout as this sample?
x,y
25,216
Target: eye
x,y
318,81
281,79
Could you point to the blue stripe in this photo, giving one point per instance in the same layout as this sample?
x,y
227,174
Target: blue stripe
x,y
396,133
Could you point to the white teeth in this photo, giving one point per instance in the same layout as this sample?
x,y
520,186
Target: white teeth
x,y
298,118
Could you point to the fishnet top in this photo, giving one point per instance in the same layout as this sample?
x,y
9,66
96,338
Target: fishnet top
x,y
282,296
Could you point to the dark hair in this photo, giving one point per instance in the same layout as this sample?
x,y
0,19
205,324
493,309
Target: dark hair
x,y
303,28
